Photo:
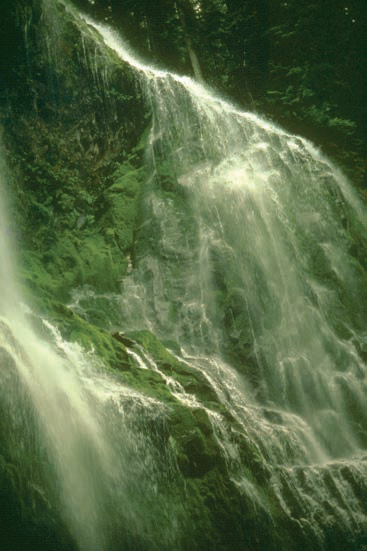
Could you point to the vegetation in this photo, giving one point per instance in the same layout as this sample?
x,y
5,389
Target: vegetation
x,y
301,62
74,128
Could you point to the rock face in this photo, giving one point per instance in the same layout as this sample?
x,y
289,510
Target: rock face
x,y
75,128
76,153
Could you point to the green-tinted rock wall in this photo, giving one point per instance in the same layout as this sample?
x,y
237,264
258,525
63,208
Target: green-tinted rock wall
x,y
72,123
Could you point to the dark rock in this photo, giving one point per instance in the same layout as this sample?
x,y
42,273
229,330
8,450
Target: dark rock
x,y
121,337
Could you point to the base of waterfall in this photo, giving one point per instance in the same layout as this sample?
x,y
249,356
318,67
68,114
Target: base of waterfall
x,y
187,471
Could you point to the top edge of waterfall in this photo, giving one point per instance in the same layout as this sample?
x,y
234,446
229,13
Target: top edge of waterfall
x,y
113,40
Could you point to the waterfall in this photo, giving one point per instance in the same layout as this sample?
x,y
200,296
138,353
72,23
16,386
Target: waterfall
x,y
248,260
249,257
261,215
67,423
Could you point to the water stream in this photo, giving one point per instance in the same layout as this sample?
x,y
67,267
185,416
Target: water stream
x,y
69,426
251,266
246,257
262,216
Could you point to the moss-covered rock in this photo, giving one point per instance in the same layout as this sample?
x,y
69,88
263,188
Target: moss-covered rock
x,y
77,176
75,127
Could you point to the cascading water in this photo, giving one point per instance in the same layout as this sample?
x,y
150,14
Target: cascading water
x,y
263,217
246,257
68,422
249,260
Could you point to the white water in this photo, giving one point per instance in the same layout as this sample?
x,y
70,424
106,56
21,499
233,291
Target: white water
x,y
267,211
260,215
253,211
75,442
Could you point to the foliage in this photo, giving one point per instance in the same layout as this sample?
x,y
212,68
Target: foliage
x,y
300,62
75,129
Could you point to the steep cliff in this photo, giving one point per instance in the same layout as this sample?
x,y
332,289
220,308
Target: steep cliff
x,y
180,256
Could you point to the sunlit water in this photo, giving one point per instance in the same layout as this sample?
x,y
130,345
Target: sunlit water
x,y
240,208
246,263
262,216
69,424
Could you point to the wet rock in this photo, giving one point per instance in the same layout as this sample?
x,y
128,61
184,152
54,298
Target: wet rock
x,y
121,337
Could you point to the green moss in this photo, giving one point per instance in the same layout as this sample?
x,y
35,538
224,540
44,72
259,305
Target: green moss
x,y
111,353
75,329
192,439
73,262
120,206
